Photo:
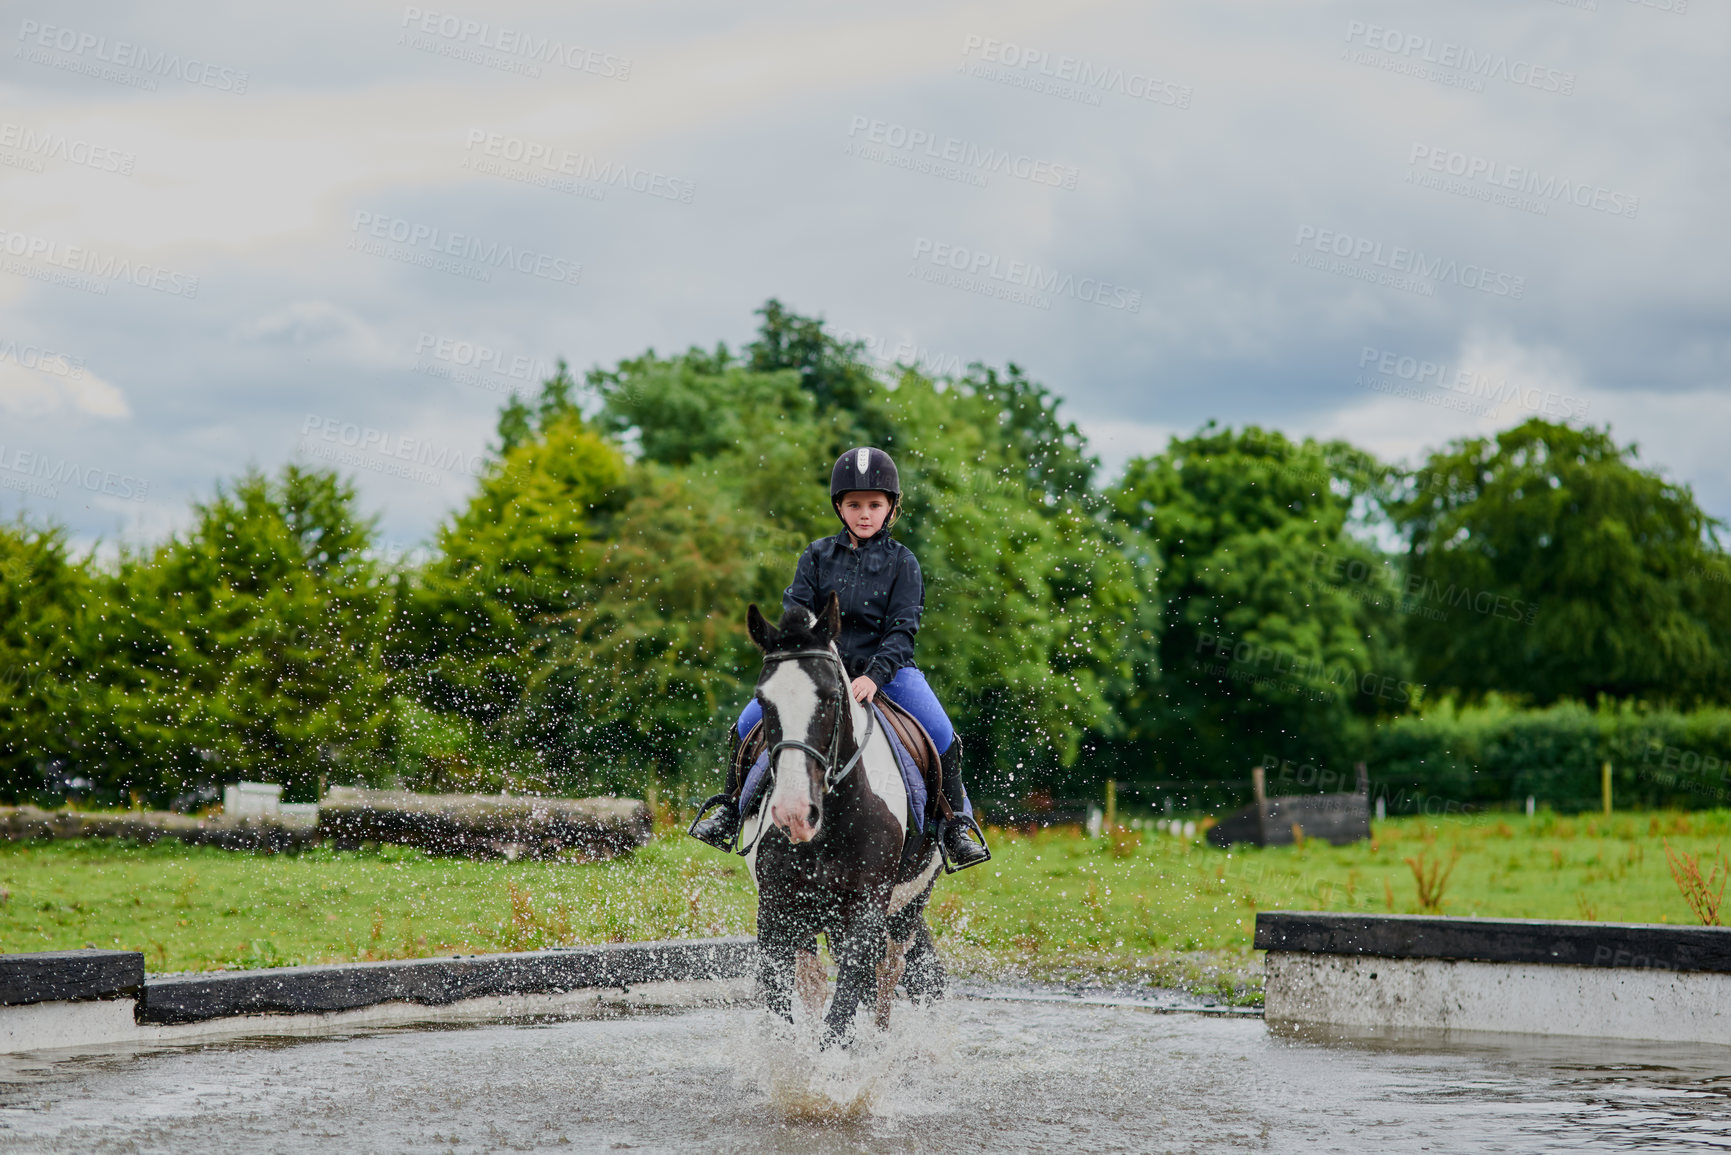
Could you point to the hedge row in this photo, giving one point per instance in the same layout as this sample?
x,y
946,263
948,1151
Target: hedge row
x,y
1452,760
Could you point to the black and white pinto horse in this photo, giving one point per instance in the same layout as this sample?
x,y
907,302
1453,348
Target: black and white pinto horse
x,y
833,847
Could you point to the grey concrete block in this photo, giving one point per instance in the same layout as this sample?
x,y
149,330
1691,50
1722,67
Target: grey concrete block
x,y
440,981
1511,940
1429,994
69,976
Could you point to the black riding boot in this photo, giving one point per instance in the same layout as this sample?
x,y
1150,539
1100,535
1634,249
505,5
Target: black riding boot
x,y
962,850
720,828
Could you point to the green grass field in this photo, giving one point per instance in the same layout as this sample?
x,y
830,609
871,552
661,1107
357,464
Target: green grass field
x,y
1141,907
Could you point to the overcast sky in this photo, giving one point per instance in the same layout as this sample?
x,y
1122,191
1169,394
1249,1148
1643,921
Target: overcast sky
x,y
343,232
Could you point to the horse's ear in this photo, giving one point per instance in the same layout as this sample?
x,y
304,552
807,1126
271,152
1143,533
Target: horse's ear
x,y
761,631
829,625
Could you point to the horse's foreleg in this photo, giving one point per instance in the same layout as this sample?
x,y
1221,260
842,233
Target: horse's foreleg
x,y
856,975
810,981
775,975
889,973
853,981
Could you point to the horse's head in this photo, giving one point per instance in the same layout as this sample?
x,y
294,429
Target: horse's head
x,y
804,693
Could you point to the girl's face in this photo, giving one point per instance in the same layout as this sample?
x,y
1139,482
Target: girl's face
x,y
864,511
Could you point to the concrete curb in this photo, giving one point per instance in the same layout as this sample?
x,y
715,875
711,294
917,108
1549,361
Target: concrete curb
x,y
69,976
102,999
439,981
1604,980
1500,940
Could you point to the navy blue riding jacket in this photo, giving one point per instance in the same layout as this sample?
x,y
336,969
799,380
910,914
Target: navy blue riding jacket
x,y
882,597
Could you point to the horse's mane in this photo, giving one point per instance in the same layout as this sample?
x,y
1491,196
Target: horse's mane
x,y
797,630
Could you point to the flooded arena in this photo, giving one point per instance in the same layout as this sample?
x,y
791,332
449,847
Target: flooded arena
x,y
1004,1070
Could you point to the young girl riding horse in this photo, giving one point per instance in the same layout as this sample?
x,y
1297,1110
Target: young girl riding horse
x,y
882,596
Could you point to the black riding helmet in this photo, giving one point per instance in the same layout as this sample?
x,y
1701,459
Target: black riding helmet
x,y
866,468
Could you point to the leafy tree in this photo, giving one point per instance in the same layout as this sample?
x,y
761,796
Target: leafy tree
x,y
647,672
1052,453
44,694
680,409
523,552
580,623
247,648
1570,571
1039,613
585,609
834,372
1269,645
519,421
1037,605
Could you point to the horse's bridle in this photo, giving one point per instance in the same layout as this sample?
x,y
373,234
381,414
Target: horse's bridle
x,y
831,776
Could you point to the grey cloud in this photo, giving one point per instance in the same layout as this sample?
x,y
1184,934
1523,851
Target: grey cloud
x,y
1200,209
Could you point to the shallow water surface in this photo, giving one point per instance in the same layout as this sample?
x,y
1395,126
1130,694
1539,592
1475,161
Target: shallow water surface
x,y
973,1075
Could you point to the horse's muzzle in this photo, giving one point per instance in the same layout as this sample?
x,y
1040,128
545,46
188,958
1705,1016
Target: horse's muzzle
x,y
798,819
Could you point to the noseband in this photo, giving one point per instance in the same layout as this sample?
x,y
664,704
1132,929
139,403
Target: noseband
x,y
826,759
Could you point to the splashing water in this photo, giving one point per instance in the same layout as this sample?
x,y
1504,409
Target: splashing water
x,y
971,1075
885,1073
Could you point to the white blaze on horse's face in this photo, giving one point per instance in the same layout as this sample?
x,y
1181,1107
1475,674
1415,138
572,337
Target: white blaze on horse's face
x,y
794,694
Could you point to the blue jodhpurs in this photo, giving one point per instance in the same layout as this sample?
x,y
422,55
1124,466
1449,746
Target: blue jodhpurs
x,y
908,689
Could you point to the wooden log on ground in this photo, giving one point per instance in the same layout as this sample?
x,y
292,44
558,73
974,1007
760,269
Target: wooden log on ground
x,y
21,823
1336,818
484,825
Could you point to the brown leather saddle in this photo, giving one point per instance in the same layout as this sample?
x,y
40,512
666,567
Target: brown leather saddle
x,y
908,731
